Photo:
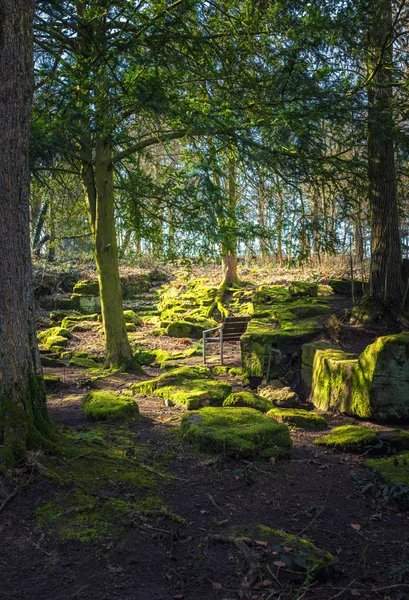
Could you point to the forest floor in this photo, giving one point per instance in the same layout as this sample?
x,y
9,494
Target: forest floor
x,y
163,550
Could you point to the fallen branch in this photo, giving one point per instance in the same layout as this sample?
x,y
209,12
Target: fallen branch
x,y
16,491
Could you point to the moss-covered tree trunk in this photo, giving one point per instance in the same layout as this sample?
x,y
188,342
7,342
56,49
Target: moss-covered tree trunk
x,y
229,243
386,281
97,179
118,350
23,415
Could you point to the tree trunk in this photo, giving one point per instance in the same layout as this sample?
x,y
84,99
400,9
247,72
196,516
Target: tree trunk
x,y
386,281
23,415
118,351
229,245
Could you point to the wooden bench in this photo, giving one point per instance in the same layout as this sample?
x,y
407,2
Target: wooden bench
x,y
230,330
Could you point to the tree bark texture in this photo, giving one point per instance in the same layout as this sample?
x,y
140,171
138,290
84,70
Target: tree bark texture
x,y
23,415
386,255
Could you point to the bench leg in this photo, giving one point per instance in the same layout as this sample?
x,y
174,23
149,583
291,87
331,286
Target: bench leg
x,y
204,349
221,346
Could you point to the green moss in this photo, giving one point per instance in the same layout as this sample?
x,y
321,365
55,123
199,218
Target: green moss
x,y
181,329
220,370
393,470
107,477
298,554
299,289
131,317
73,320
131,327
106,405
196,394
249,400
54,337
86,363
87,287
298,418
237,432
349,437
174,377
51,361
236,371
400,439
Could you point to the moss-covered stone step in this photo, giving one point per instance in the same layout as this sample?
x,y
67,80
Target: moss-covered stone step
x,y
236,432
51,361
302,289
83,361
54,338
299,555
249,400
173,377
107,405
196,393
297,417
376,385
343,287
52,382
281,323
352,438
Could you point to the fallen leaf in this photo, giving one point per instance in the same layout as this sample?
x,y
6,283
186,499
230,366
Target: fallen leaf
x,y
356,593
356,526
279,563
273,460
324,467
267,582
260,543
216,586
207,463
287,549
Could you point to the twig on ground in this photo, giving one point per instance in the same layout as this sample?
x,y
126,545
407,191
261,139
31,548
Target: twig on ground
x,y
213,501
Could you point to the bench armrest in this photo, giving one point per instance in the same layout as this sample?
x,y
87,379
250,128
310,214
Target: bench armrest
x,y
213,329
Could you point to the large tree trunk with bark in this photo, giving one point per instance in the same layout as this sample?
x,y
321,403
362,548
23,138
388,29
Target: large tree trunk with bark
x,y
24,422
386,281
229,244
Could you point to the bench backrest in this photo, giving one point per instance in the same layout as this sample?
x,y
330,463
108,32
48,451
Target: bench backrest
x,y
234,327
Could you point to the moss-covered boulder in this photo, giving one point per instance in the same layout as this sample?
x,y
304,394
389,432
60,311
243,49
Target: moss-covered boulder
x,y
297,417
282,396
376,385
87,287
301,289
297,554
54,338
51,361
131,317
196,393
236,432
236,371
343,287
107,405
181,329
219,370
173,377
249,400
84,362
71,320
52,382
353,438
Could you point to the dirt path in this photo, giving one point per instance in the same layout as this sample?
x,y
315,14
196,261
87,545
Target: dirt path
x,y
315,494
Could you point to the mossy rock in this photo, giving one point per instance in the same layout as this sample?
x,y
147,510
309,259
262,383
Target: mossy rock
x,y
182,329
280,396
220,370
249,400
174,377
59,315
51,361
87,287
131,327
61,302
343,287
196,394
52,382
298,554
301,289
106,405
376,385
86,363
354,438
393,470
236,371
130,316
296,417
236,432
55,343
53,333
400,439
